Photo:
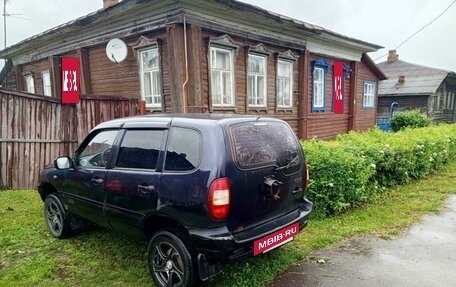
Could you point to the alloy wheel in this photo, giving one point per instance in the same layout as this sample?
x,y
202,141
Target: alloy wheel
x,y
167,264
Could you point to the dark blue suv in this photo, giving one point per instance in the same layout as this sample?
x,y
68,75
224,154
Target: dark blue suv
x,y
202,189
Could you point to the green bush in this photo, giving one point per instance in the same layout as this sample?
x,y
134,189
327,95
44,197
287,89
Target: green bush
x,y
350,170
339,179
409,119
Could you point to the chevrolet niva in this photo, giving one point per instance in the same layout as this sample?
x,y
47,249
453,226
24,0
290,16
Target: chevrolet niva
x,y
203,190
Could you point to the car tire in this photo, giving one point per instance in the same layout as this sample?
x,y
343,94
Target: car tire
x,y
170,259
56,217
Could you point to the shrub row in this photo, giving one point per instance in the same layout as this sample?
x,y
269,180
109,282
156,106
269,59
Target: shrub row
x,y
353,168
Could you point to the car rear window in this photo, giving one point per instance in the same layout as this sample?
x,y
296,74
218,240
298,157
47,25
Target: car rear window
x,y
263,143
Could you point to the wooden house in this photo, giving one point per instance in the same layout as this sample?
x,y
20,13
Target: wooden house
x,y
414,86
219,56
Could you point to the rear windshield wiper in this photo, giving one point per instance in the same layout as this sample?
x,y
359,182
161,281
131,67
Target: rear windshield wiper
x,y
290,163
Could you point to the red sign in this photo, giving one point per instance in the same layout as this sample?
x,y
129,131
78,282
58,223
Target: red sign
x,y
338,88
275,239
70,80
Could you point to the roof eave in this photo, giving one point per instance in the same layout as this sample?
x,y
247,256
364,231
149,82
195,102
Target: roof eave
x,y
374,68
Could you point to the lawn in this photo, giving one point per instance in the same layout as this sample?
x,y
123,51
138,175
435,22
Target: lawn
x,y
30,256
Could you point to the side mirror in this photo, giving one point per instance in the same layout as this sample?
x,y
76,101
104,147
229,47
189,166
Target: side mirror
x,y
63,162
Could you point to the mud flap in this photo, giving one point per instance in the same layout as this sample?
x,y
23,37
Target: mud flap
x,y
207,270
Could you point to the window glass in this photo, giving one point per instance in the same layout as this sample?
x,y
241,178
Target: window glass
x,y
318,87
150,82
222,74
257,80
261,143
369,95
97,151
30,83
184,149
222,60
140,149
47,91
284,83
319,70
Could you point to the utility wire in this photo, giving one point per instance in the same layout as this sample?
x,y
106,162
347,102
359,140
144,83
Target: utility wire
x,y
422,28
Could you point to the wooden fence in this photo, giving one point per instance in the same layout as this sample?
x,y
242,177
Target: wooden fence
x,y
34,130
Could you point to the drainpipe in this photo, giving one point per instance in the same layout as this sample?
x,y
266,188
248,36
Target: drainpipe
x,y
184,85
393,104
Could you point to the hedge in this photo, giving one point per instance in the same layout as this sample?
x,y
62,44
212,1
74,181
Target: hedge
x,y
352,169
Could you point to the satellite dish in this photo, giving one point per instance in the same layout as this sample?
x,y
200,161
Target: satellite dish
x,y
116,50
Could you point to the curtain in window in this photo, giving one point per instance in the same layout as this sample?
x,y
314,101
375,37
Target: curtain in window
x,y
284,79
150,66
318,88
221,77
257,80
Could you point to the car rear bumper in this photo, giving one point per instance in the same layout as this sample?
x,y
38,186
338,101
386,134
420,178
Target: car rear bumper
x,y
219,245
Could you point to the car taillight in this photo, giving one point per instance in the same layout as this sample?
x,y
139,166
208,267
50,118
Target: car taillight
x,y
219,198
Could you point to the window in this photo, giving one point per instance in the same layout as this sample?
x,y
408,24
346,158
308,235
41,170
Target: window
x,y
369,94
140,149
319,70
449,100
96,152
183,152
222,75
30,83
150,78
263,143
47,91
284,84
257,80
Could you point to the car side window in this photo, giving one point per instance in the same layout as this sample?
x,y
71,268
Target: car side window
x,y
140,149
97,151
183,152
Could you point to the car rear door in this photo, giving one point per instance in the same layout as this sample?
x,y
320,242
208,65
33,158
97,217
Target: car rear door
x,y
132,185
267,175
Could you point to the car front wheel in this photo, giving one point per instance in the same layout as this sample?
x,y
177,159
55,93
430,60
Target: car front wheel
x,y
56,217
170,262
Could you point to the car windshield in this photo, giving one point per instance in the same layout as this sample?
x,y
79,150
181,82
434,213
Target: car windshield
x,y
264,143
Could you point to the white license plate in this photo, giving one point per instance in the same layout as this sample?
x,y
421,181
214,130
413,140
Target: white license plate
x,y
275,239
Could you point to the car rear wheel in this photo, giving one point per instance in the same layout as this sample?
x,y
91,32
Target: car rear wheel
x,y
170,262
56,217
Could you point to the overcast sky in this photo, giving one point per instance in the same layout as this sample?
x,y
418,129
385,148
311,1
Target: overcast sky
x,y
386,23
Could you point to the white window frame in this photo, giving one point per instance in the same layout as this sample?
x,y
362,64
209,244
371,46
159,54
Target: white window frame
x,y
281,98
30,83
213,68
369,92
256,98
156,98
47,89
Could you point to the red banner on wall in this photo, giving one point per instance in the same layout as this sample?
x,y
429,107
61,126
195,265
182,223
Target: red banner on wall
x,y
338,87
70,80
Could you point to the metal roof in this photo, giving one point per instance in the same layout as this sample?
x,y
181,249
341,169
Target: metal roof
x,y
418,80
125,5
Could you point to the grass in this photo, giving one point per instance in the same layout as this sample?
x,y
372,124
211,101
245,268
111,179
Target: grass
x,y
30,256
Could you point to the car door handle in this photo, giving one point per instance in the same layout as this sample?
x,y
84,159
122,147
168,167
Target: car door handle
x,y
97,180
146,188
296,190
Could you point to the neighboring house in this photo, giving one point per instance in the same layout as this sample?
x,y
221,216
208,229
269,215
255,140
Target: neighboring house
x,y
413,86
209,56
